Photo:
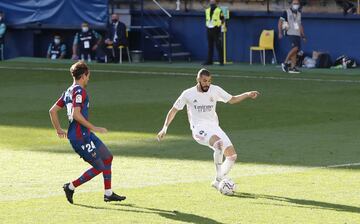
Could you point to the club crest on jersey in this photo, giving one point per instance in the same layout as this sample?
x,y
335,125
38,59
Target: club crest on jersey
x,y
211,99
78,99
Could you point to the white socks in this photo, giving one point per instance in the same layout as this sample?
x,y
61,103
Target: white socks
x,y
227,165
108,192
71,186
222,168
218,158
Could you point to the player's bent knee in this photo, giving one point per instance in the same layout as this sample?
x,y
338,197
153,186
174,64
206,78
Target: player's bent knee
x,y
98,164
100,167
109,160
229,151
213,140
232,157
218,145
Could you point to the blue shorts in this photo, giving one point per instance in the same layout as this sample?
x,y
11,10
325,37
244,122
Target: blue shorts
x,y
295,41
88,148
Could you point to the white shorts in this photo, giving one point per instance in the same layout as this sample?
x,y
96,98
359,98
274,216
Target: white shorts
x,y
203,133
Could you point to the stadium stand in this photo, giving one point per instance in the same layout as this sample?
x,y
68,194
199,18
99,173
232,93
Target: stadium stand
x,y
160,31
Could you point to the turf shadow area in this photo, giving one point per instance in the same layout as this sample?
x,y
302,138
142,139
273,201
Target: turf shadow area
x,y
301,203
168,214
294,122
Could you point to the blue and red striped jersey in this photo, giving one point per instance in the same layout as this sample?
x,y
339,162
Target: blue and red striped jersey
x,y
75,96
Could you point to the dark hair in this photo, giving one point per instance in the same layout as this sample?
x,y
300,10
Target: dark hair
x,y
202,72
78,69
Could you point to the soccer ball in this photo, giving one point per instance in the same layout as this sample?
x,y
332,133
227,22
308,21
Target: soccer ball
x,y
285,25
227,187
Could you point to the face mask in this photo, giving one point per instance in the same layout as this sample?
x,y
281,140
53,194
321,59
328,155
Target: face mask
x,y
57,41
85,29
295,7
114,20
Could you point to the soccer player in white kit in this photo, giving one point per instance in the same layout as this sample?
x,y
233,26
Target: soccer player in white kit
x,y
200,101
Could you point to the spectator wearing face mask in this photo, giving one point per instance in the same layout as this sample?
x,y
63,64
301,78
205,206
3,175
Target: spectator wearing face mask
x,y
2,35
291,26
56,49
85,43
115,37
214,20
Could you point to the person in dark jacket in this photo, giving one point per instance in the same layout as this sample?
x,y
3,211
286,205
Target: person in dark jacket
x,y
56,49
86,43
116,36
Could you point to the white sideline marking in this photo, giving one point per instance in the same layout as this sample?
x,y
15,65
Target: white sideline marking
x,y
342,165
189,74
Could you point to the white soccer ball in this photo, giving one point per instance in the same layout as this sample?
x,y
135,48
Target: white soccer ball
x,y
285,25
227,187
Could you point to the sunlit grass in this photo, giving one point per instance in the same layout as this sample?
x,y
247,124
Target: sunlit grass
x,y
284,141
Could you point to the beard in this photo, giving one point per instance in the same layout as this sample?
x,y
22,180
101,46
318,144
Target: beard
x,y
204,88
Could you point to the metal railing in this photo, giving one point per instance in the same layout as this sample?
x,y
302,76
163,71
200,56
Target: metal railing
x,y
164,10
164,26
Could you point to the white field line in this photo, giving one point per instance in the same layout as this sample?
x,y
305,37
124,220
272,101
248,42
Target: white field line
x,y
189,74
342,165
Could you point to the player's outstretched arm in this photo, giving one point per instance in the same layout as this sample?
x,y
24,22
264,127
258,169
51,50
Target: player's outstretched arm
x,y
81,119
169,118
244,96
55,121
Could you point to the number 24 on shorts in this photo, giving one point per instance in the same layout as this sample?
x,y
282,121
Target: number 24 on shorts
x,y
89,147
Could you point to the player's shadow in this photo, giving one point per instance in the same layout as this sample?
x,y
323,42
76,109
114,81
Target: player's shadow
x,y
300,203
168,214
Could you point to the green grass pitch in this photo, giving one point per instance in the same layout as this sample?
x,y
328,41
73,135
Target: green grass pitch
x,y
290,142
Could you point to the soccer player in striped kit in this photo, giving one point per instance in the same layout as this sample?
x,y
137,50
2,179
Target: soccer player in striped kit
x,y
80,133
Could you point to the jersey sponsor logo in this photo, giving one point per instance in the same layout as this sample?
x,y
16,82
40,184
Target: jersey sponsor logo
x,y
204,108
78,99
85,38
195,101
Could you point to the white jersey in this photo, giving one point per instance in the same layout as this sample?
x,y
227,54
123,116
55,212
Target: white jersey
x,y
201,106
